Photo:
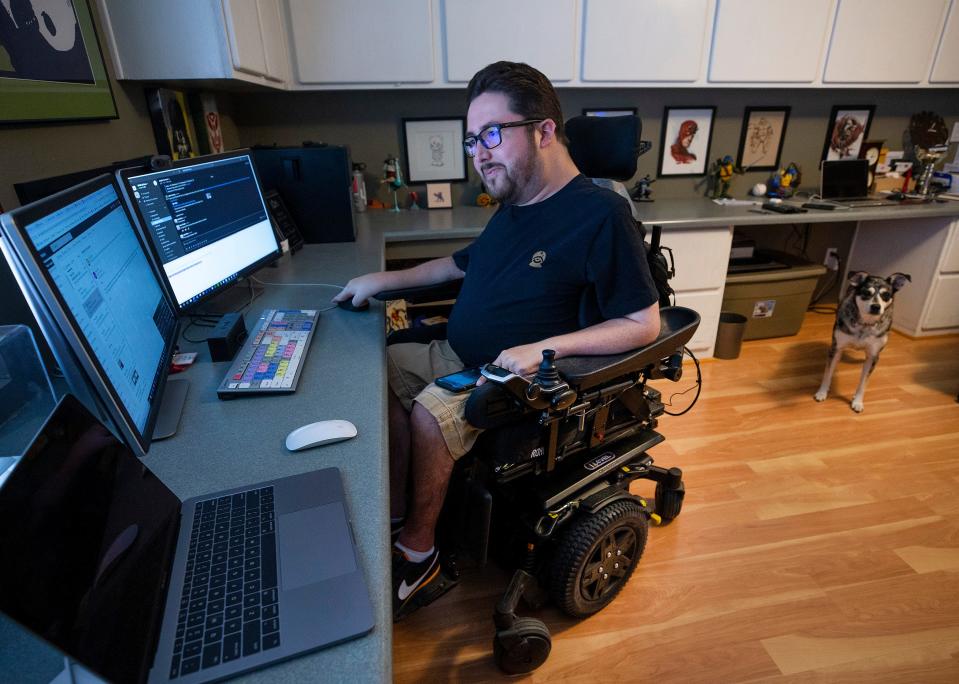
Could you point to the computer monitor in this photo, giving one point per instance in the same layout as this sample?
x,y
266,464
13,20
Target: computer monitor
x,y
85,272
205,223
844,179
31,191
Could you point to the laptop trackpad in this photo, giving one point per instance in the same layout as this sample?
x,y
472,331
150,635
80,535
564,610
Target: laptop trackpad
x,y
315,545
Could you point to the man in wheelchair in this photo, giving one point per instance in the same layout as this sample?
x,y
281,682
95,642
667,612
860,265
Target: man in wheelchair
x,y
554,238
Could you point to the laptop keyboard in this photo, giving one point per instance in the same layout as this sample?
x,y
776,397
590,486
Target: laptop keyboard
x,y
228,608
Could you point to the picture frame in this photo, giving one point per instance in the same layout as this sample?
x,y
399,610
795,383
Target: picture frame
x,y
439,196
685,139
73,87
434,149
173,124
618,111
761,139
848,128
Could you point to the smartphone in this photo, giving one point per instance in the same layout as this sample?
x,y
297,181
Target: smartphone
x,y
462,381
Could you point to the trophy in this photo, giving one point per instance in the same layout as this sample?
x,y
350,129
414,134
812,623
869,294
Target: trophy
x,y
929,136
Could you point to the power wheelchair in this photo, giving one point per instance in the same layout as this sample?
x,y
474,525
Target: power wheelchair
x,y
547,484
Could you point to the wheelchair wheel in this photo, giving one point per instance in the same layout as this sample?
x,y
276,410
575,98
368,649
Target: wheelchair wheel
x,y
669,502
523,647
596,557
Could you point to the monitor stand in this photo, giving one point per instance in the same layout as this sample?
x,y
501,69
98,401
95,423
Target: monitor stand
x,y
171,408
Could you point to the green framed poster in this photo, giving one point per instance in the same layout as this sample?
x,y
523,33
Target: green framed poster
x,y
51,66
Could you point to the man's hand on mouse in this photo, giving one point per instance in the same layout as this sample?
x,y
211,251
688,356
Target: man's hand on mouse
x,y
361,288
522,360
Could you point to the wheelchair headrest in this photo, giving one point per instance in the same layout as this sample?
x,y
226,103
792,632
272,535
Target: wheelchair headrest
x,y
605,146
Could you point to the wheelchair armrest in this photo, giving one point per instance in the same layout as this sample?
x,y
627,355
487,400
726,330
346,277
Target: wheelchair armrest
x,y
424,293
678,324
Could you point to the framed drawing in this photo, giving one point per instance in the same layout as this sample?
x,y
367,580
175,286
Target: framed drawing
x,y
51,67
619,111
687,133
438,196
761,140
848,127
434,149
172,123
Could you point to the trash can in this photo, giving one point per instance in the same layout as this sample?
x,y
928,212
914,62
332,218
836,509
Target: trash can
x,y
729,337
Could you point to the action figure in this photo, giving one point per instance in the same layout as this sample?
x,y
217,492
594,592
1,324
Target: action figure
x,y
641,192
723,170
785,182
393,177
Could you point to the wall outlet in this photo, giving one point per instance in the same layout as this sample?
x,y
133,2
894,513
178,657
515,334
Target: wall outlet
x,y
831,260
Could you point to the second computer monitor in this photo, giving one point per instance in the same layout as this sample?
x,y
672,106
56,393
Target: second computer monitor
x,y
205,221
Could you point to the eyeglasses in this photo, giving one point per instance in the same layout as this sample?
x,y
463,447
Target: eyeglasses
x,y
490,136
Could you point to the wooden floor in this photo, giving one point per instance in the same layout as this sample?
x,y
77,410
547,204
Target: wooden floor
x,y
815,544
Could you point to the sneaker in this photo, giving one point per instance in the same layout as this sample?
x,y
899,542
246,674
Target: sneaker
x,y
409,579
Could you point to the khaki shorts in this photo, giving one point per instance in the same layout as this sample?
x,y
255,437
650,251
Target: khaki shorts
x,y
411,369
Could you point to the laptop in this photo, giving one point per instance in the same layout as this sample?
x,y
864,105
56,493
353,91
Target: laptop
x,y
846,181
107,564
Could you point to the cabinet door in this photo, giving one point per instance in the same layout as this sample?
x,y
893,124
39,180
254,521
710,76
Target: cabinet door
x,y
772,41
246,43
946,68
273,30
943,311
362,41
668,46
541,33
867,33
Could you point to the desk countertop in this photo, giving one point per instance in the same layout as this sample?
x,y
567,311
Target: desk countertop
x,y
671,214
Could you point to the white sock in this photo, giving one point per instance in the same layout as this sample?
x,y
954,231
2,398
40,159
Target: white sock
x,y
415,556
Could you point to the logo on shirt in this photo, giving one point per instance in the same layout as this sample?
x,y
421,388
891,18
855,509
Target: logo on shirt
x,y
537,260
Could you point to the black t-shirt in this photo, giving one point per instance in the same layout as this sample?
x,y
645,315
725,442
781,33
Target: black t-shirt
x,y
528,270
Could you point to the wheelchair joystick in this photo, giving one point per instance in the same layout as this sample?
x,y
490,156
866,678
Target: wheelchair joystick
x,y
547,376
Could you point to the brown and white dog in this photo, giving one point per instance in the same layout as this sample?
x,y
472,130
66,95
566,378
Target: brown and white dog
x,y
863,319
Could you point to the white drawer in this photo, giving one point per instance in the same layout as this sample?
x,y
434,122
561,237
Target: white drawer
x,y
950,260
701,257
707,305
943,311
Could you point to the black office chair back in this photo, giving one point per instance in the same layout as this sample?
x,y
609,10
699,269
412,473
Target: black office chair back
x,y
605,146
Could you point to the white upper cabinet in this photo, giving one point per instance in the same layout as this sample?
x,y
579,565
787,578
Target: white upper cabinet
x,y
946,67
275,49
771,41
246,43
541,33
645,40
362,41
196,39
884,41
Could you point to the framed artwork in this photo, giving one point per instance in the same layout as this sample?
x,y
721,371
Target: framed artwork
x,y
687,133
434,149
172,123
51,67
848,128
761,140
439,196
621,111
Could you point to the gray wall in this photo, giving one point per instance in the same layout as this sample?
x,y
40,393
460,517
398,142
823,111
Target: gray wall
x,y
370,122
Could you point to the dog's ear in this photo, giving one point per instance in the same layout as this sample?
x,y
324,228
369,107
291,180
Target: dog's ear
x,y
856,277
898,280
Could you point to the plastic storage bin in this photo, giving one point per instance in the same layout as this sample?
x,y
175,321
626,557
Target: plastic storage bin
x,y
774,301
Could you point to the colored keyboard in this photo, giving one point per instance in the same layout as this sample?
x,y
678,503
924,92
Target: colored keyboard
x,y
272,356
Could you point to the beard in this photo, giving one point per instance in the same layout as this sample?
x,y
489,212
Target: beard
x,y
513,183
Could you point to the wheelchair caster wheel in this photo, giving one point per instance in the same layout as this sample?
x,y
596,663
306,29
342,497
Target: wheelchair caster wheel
x,y
523,647
669,502
597,556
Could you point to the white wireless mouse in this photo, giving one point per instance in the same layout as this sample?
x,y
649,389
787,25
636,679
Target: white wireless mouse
x,y
318,434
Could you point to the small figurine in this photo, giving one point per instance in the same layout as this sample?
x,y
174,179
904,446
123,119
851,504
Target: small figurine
x,y
642,190
723,170
393,177
785,182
